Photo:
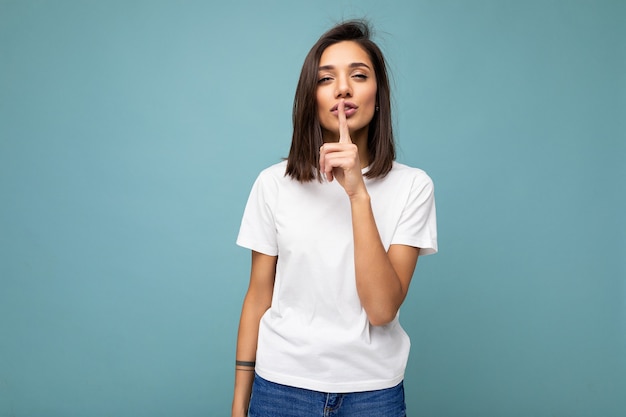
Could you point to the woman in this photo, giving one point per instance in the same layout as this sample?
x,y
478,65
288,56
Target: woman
x,y
335,233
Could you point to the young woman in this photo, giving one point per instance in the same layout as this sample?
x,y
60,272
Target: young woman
x,y
335,232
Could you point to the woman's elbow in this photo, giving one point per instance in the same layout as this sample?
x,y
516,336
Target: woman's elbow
x,y
382,318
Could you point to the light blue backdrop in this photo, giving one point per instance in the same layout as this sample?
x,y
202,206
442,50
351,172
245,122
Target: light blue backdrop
x,y
131,132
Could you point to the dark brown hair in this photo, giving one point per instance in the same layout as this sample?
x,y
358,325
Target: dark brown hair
x,y
303,159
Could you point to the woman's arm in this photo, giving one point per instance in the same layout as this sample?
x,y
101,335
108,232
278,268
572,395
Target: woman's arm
x,y
256,302
382,278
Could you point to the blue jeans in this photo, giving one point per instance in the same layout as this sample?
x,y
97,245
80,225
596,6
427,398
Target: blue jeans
x,y
275,400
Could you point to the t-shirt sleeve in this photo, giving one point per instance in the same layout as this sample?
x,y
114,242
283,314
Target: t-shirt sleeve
x,y
258,231
418,222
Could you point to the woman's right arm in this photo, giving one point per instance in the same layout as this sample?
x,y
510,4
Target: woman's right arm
x,y
258,299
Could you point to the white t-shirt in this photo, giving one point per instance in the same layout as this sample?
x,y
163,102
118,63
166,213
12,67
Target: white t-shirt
x,y
316,334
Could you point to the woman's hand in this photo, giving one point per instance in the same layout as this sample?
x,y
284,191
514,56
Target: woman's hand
x,y
340,160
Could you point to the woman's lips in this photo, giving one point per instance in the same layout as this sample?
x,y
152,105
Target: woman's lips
x,y
349,109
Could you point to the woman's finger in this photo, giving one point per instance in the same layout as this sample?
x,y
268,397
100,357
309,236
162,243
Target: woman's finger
x,y
344,132
325,168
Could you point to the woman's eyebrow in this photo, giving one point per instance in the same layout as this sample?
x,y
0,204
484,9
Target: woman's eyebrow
x,y
353,65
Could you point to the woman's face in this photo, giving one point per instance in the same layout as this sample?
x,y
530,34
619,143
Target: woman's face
x,y
346,72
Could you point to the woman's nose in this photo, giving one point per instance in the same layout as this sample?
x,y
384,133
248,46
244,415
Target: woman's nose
x,y
343,88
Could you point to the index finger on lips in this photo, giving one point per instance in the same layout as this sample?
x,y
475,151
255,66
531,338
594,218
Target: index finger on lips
x,y
344,133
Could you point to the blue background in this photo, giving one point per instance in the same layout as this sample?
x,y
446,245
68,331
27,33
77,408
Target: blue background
x,y
131,133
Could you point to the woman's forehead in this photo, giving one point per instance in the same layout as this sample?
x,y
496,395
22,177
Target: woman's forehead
x,y
345,53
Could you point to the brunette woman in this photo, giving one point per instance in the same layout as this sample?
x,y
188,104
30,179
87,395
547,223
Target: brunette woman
x,y
335,233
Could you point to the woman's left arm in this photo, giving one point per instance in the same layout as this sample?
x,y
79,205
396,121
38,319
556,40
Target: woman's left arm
x,y
382,277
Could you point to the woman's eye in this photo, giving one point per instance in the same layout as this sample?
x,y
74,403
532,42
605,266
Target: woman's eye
x,y
361,76
324,79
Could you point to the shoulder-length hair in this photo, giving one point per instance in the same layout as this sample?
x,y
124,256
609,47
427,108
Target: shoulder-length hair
x,y
303,159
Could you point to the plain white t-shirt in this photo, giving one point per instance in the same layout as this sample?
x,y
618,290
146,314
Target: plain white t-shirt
x,y
316,335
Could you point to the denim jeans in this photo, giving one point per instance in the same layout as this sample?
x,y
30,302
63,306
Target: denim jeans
x,y
275,400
